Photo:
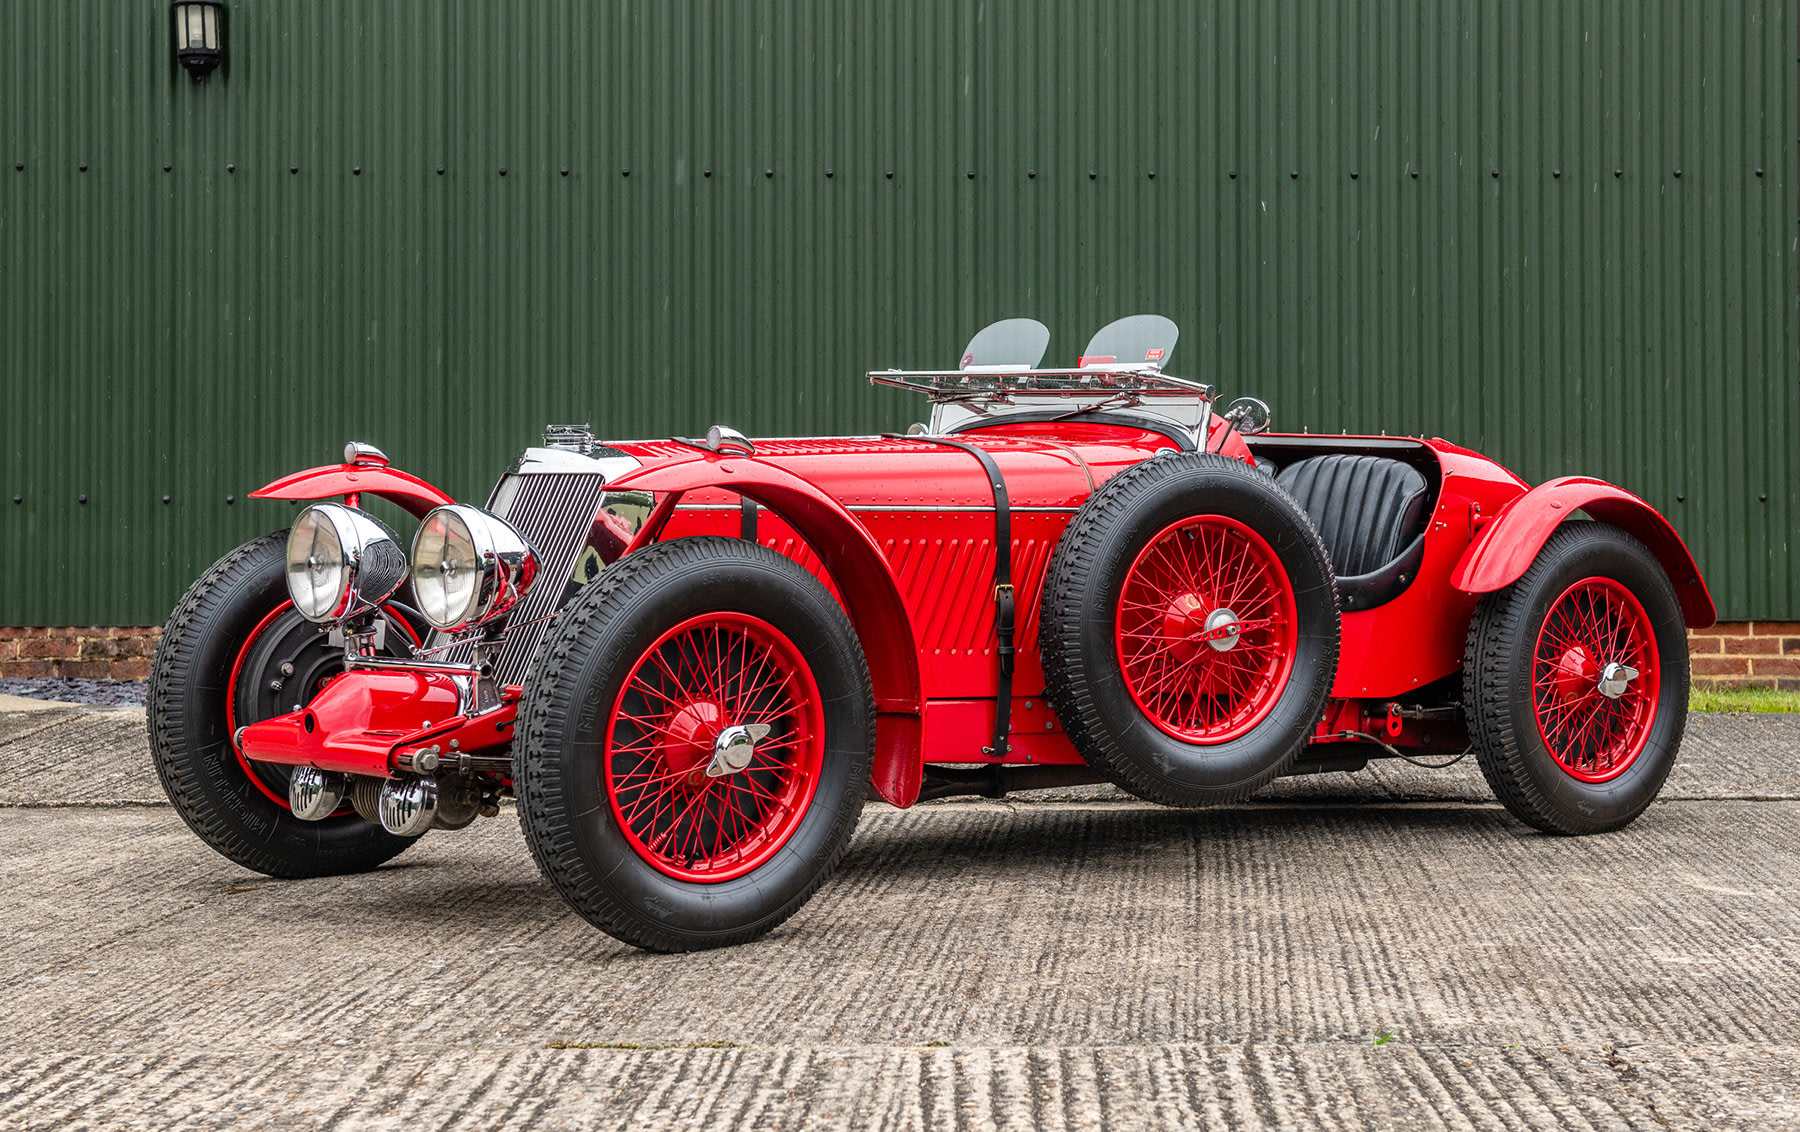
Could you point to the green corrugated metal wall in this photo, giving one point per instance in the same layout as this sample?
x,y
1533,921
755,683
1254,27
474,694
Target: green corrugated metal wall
x,y
195,332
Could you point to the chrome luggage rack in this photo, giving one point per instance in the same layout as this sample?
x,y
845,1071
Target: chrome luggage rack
x,y
1131,381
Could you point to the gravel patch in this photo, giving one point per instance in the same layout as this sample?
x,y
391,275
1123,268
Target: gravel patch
x,y
70,690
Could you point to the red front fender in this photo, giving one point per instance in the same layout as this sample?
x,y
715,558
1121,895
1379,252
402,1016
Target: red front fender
x,y
1504,550
413,494
862,576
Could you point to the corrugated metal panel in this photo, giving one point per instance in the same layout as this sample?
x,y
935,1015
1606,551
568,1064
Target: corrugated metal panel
x,y
197,332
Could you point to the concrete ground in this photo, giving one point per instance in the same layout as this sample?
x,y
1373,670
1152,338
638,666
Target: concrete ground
x,y
1384,949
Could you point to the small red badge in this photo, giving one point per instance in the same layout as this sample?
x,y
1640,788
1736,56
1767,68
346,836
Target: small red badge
x,y
1153,355
967,359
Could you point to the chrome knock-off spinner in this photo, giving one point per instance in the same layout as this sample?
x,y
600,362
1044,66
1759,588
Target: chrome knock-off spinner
x,y
1615,678
734,747
1222,618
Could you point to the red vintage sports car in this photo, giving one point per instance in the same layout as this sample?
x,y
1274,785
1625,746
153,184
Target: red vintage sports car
x,y
691,661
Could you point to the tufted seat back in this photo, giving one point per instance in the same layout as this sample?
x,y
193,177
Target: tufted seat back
x,y
1371,514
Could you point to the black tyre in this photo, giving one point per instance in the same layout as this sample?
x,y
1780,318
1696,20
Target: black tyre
x,y
1189,629
222,654
646,795
1576,683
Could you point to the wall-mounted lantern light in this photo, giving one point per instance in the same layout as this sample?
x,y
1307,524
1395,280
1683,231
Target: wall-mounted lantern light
x,y
199,35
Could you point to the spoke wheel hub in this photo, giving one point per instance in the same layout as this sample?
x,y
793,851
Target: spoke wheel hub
x,y
1205,629
1593,686
714,748
1576,674
686,745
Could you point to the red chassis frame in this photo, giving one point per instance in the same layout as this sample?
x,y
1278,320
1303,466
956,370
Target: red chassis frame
x,y
902,533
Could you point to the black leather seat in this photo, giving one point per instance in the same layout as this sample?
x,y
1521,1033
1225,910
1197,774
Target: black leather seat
x,y
1371,512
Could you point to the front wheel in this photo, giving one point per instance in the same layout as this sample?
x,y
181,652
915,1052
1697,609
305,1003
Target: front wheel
x,y
1577,683
235,652
696,740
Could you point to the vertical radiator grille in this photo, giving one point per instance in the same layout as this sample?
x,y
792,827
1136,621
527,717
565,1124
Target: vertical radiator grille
x,y
554,512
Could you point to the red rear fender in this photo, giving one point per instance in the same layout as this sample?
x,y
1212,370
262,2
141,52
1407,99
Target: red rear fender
x,y
861,574
410,492
1506,547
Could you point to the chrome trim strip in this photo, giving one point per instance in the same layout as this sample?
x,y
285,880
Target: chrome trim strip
x,y
443,666
545,461
1142,379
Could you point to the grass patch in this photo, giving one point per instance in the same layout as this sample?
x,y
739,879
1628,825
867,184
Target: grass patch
x,y
643,1045
1743,699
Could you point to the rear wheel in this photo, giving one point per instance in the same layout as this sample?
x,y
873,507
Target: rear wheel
x,y
1190,629
1578,682
697,738
235,652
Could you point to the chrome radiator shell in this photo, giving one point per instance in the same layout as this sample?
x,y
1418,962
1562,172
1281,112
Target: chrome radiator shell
x,y
559,502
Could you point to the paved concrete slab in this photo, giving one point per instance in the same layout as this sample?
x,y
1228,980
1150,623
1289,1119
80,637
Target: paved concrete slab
x,y
71,755
1359,953
1725,757
9,703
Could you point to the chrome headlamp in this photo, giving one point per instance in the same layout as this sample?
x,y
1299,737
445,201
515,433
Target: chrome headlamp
x,y
341,562
469,567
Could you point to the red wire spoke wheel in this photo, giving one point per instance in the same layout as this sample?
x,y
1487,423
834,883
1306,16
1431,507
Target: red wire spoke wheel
x,y
1594,679
1206,629
1575,682
670,771
694,744
1189,629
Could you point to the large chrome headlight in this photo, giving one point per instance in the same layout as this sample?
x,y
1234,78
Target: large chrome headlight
x,y
469,567
341,562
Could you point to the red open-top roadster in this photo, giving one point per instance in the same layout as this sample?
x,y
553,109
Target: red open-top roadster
x,y
692,660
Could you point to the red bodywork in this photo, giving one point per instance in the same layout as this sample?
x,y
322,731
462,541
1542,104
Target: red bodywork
x,y
902,532
362,722
1503,551
351,481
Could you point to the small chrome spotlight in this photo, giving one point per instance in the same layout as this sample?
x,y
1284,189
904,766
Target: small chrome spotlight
x,y
315,794
408,807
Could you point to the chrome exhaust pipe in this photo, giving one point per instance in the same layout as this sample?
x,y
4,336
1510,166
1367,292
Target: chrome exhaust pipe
x,y
315,794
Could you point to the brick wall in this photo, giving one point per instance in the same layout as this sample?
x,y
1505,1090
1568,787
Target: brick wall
x,y
1739,653
97,652
1731,653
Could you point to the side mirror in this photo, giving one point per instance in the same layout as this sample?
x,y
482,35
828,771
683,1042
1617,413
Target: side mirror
x,y
1248,415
